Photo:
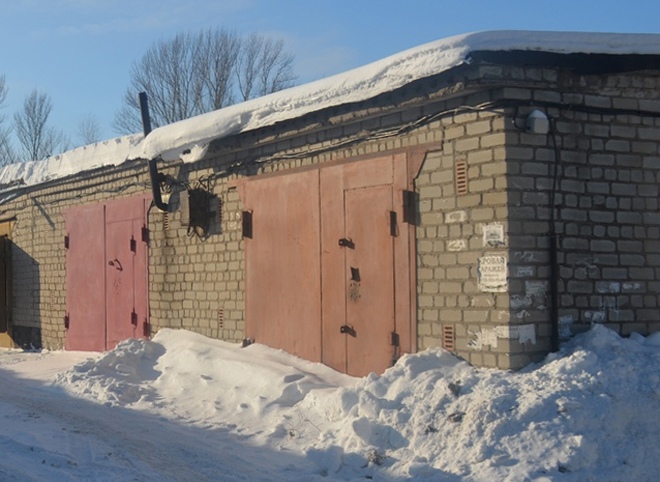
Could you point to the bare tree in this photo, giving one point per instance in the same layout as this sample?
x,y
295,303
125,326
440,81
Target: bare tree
x,y
263,67
89,131
168,73
219,52
196,73
37,139
7,155
247,65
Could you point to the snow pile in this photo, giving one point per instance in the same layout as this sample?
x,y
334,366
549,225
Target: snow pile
x,y
118,377
591,412
189,139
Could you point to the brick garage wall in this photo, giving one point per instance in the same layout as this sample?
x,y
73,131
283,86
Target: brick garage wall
x,y
607,223
608,219
197,283
453,306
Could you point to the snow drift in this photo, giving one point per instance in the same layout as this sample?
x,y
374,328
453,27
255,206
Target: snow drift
x,y
589,412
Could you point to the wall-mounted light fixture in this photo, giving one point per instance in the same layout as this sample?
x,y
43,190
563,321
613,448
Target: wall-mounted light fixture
x,y
537,122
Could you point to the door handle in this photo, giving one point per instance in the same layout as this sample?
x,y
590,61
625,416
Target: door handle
x,y
116,264
347,243
348,330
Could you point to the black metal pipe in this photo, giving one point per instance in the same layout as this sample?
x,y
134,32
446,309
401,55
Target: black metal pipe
x,y
156,177
554,292
144,112
554,244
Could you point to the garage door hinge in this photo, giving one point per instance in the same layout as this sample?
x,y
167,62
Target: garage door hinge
x,y
133,245
394,226
396,351
409,203
66,321
66,242
134,318
247,224
145,234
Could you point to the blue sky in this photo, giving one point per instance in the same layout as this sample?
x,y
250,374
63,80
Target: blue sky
x,y
80,51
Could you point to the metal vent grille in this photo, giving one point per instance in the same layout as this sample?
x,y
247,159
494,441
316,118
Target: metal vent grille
x,y
448,337
221,318
220,215
166,221
460,176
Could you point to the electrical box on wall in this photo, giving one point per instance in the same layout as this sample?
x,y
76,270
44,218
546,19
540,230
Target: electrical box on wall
x,y
196,211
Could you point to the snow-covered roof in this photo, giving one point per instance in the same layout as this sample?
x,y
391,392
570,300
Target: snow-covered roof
x,y
169,142
107,153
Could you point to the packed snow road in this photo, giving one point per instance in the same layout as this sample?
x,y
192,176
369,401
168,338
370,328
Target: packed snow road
x,y
45,434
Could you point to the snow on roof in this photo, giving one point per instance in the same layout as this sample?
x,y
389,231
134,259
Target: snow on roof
x,y
107,153
169,142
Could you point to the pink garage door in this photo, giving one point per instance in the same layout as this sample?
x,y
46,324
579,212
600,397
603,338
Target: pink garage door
x,y
283,278
106,273
328,264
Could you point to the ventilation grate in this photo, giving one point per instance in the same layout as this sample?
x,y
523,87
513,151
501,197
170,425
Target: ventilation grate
x,y
221,318
166,221
448,337
461,178
220,216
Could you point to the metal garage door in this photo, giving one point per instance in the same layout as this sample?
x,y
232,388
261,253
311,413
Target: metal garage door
x,y
283,265
106,273
323,255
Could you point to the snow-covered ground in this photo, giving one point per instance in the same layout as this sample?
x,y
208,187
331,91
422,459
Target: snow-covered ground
x,y
185,407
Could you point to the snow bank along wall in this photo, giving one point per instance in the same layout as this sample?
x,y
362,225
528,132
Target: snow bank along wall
x,y
466,204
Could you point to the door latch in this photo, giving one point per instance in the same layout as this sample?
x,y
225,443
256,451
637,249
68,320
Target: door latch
x,y
347,243
348,330
115,263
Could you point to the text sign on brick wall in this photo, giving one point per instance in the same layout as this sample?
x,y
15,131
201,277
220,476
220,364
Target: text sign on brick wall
x,y
493,235
492,271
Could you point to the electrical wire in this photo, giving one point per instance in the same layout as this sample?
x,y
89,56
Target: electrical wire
x,y
554,241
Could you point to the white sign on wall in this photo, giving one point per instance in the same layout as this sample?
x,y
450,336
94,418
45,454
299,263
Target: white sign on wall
x,y
493,235
493,273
